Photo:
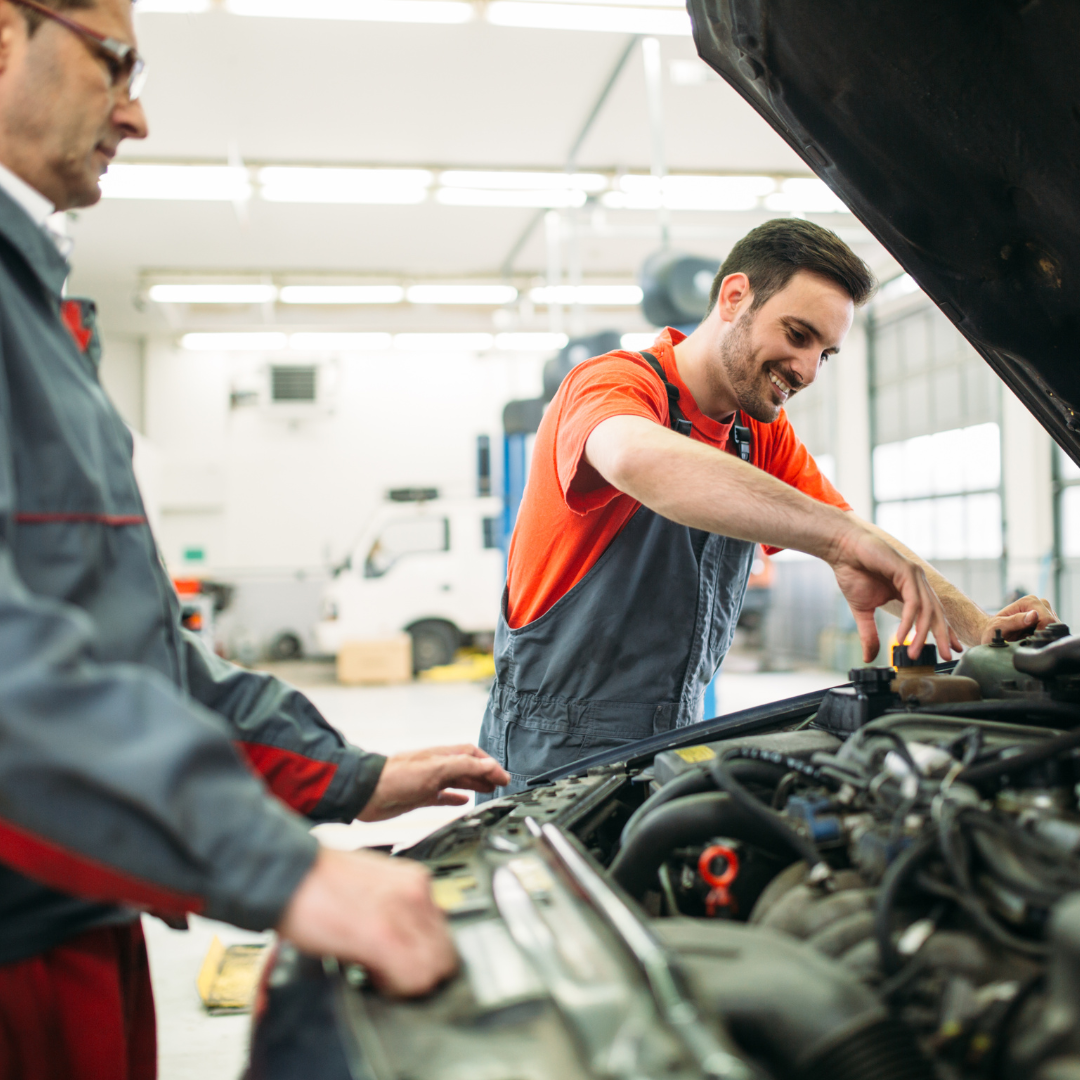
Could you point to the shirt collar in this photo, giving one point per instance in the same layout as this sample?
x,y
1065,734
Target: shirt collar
x,y
39,209
30,199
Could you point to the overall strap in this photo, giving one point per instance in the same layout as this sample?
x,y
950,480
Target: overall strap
x,y
740,435
679,422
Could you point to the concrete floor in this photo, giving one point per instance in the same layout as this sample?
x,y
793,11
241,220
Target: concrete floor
x,y
195,1046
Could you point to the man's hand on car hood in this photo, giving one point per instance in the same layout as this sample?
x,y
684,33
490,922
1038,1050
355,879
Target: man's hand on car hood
x,y
421,778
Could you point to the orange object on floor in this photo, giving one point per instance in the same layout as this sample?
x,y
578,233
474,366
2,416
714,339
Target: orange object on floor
x,y
82,1011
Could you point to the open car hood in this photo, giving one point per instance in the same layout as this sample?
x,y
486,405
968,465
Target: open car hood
x,y
952,130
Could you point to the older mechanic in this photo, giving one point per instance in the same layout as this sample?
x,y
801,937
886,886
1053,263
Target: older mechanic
x,y
634,542
138,770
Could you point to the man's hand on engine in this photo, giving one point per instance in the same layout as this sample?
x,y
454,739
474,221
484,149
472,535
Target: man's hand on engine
x,y
369,909
871,574
422,777
1018,619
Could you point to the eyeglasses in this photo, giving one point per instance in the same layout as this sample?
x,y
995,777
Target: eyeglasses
x,y
126,66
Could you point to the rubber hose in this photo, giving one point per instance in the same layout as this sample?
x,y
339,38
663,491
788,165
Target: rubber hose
x,y
1001,768
886,1050
804,1015
769,821
906,863
1006,709
693,782
693,819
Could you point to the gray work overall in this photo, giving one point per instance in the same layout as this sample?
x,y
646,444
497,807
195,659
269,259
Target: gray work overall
x,y
628,652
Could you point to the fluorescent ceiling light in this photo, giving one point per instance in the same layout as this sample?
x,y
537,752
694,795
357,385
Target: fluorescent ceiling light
x,y
636,342
223,183
212,294
732,186
551,199
257,342
530,342
340,342
341,294
538,15
589,295
172,7
517,181
644,192
443,342
406,11
461,294
626,3
807,195
323,185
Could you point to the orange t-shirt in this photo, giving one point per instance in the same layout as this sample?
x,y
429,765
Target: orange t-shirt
x,y
561,533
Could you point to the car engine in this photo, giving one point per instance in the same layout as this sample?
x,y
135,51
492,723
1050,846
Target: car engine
x,y
886,888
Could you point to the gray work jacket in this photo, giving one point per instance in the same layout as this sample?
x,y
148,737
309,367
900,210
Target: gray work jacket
x,y
137,769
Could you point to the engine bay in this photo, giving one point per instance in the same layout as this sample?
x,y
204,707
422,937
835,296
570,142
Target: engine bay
x,y
886,887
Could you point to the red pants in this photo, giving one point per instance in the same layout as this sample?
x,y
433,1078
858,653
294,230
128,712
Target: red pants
x,y
82,1011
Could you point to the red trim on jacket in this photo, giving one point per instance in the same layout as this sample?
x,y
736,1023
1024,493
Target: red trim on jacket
x,y
71,314
299,782
113,520
77,875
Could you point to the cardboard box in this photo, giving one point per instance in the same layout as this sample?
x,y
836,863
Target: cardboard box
x,y
367,663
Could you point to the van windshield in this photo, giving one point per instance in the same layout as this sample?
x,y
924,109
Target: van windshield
x,y
406,536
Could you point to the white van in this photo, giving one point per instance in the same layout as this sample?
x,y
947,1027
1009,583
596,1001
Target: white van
x,y
429,566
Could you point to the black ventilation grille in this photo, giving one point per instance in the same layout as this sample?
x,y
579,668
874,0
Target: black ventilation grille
x,y
292,383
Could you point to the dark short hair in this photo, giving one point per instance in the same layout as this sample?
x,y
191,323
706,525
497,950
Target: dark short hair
x,y
773,253
34,19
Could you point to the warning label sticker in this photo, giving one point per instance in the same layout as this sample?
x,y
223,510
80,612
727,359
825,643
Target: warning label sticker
x,y
694,754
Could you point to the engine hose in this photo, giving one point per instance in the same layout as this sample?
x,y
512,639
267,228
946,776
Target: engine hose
x,y
769,820
996,773
886,1050
805,1016
905,864
693,819
815,773
1007,709
693,782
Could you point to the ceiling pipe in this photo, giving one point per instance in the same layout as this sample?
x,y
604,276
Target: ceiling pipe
x,y
571,158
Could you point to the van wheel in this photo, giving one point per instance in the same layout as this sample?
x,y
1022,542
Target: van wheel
x,y
286,646
434,643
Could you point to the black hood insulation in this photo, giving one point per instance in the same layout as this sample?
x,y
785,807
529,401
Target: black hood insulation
x,y
951,128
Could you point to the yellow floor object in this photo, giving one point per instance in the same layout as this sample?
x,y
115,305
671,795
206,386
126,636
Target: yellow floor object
x,y
229,976
470,666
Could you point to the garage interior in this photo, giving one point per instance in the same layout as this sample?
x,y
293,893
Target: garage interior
x,y
360,229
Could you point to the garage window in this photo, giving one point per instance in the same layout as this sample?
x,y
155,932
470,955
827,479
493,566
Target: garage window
x,y
940,494
936,435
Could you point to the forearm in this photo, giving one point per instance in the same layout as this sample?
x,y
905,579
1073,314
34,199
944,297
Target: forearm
x,y
964,615
303,760
699,486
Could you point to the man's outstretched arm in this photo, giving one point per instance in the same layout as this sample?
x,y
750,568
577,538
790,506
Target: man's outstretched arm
x,y
705,488
973,625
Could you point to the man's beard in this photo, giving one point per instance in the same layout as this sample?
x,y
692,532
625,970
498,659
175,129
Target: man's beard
x,y
748,378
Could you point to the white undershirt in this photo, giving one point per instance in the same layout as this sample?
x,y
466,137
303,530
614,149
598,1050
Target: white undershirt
x,y
40,211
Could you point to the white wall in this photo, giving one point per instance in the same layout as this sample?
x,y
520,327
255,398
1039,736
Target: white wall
x,y
121,373
262,487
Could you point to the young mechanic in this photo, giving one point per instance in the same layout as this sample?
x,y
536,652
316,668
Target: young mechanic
x,y
653,477
137,769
